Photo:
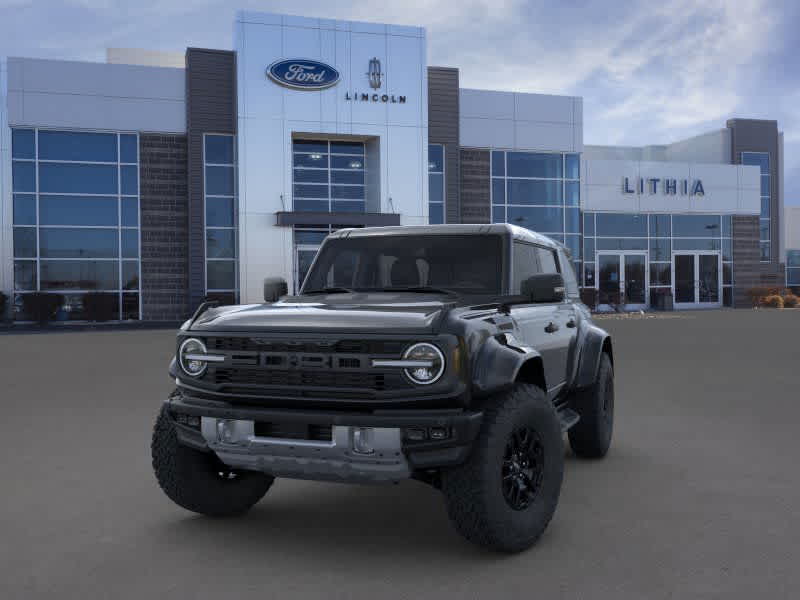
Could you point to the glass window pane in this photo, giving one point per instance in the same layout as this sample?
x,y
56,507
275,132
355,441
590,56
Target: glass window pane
x,y
77,210
793,258
588,249
727,226
436,213
498,214
77,145
129,180
343,162
624,225
436,187
435,158
727,297
660,226
24,209
221,274
573,242
543,220
766,251
793,277
23,143
759,159
79,275
219,149
311,205
128,148
572,220
219,212
23,176
348,206
310,191
498,191
661,274
498,163
311,175
130,307
310,237
765,208
573,166
25,242
130,274
695,244
25,275
310,146
220,243
78,243
621,243
765,185
130,212
588,224
130,243
547,260
527,191
347,192
358,176
77,179
660,249
763,229
347,148
572,189
531,164
219,181
317,161
727,273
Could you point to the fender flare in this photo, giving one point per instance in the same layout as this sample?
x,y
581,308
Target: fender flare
x,y
501,361
595,342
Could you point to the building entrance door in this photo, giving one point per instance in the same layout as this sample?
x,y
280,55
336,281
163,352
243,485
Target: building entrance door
x,y
622,280
696,279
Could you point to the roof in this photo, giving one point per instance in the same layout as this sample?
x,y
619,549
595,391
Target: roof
x,y
514,231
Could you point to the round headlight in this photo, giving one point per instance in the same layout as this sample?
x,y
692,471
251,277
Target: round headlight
x,y
192,366
431,363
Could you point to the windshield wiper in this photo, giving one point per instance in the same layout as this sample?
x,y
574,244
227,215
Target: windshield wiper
x,y
420,289
329,290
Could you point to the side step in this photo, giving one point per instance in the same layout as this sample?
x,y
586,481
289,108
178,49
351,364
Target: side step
x,y
568,418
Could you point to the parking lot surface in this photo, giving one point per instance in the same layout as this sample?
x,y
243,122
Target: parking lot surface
x,y
698,498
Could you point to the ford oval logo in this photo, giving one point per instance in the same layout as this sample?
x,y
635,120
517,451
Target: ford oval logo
x,y
303,74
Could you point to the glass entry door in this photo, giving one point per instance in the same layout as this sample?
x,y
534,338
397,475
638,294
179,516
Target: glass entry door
x,y
622,280
697,279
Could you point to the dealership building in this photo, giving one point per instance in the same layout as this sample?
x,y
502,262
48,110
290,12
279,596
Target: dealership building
x,y
163,179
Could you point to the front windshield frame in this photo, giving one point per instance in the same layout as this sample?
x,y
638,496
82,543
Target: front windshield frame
x,y
501,283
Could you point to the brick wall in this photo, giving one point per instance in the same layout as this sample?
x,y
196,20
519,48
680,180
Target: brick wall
x,y
165,227
475,198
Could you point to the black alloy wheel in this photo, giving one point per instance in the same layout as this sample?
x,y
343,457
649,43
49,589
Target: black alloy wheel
x,y
523,468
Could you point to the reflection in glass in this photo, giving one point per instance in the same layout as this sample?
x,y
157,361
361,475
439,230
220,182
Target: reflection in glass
x,y
77,210
220,243
24,209
57,242
80,275
219,149
25,242
24,275
531,164
221,274
621,225
66,178
77,146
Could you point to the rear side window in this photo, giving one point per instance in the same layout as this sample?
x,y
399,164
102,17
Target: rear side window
x,y
526,264
570,282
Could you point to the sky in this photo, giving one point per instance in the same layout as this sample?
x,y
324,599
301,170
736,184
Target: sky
x,y
649,72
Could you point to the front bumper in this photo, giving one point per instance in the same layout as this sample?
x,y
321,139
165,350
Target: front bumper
x,y
393,456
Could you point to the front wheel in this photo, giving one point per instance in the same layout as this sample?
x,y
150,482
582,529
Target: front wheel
x,y
504,496
199,481
590,437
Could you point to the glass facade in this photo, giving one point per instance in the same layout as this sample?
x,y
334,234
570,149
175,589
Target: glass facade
x,y
221,223
435,184
658,235
76,219
540,191
328,176
793,268
761,160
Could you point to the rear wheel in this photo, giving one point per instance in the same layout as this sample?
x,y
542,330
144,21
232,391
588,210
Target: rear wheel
x,y
504,496
199,481
591,436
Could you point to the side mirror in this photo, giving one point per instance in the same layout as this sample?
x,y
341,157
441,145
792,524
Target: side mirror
x,y
274,288
544,287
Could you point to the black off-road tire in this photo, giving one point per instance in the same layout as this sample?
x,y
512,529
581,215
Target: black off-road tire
x,y
474,492
591,436
199,481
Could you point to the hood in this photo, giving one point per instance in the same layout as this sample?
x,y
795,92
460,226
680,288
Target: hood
x,y
343,313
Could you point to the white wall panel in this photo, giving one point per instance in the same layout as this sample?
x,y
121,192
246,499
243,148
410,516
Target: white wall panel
x,y
486,104
486,133
539,135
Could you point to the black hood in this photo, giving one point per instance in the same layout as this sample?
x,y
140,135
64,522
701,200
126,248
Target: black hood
x,y
344,313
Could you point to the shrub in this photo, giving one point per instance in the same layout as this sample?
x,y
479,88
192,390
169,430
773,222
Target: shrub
x,y
790,300
773,301
41,306
98,306
3,306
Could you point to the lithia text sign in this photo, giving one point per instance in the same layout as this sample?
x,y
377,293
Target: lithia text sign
x,y
667,186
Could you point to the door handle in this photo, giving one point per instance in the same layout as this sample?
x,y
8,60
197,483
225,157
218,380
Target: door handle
x,y
551,327
571,322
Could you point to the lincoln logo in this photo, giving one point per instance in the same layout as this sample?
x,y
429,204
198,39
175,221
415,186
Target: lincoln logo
x,y
374,74
301,74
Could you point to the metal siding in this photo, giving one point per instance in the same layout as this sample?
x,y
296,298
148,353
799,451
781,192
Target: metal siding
x,y
443,128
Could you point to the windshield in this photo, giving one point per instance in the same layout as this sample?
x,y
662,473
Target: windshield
x,y
465,264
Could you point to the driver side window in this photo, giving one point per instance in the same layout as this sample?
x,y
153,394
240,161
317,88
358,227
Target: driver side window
x,y
526,264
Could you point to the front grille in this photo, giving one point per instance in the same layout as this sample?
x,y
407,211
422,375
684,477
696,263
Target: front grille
x,y
294,431
325,379
254,344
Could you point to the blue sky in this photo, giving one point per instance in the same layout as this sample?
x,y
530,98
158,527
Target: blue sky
x,y
649,72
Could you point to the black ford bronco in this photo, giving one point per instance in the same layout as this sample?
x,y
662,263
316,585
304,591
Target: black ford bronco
x,y
456,355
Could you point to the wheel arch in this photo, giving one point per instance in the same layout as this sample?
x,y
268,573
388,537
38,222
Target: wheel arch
x,y
596,342
503,361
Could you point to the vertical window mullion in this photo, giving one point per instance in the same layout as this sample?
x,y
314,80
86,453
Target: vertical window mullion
x,y
36,188
119,231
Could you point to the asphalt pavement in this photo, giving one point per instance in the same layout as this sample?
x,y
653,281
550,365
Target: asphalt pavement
x,y
699,496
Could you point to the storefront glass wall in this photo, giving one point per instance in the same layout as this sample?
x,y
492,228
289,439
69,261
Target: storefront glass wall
x,y
793,269
435,184
221,223
761,160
